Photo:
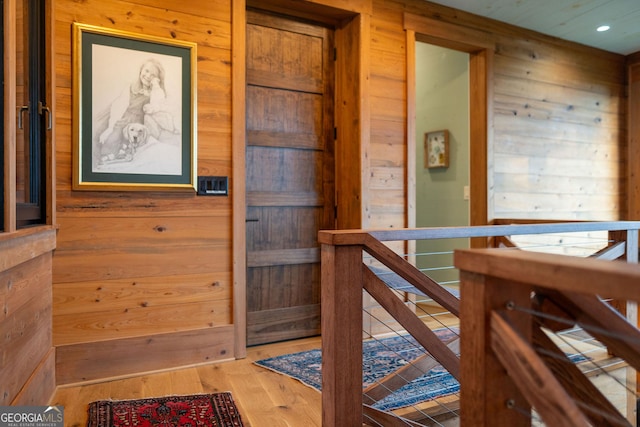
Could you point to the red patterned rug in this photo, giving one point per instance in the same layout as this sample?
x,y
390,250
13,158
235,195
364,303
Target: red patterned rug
x,y
209,410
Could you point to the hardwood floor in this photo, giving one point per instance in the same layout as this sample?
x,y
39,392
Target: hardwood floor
x,y
268,399
264,398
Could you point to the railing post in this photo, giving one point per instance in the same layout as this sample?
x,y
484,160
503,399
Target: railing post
x,y
632,246
341,336
631,312
629,309
488,397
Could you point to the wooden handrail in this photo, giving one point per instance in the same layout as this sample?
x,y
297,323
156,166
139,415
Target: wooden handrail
x,y
507,279
345,275
535,268
358,237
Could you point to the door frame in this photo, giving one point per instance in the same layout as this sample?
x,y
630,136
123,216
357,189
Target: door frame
x,y
480,47
351,30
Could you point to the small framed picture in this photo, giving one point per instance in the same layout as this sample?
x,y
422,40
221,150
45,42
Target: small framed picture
x,y
436,149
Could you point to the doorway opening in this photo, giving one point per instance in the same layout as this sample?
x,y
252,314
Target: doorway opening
x,y
479,50
442,192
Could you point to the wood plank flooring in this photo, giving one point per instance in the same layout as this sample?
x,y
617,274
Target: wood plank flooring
x,y
269,399
264,398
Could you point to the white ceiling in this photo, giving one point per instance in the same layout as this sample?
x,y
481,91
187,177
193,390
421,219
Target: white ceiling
x,y
574,20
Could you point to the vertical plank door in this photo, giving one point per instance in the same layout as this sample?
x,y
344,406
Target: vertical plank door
x,y
290,173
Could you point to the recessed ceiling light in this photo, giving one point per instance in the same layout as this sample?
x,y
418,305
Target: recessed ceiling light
x,y
602,28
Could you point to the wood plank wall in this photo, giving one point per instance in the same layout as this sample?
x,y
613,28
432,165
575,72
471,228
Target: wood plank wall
x,y
27,357
557,135
633,120
143,280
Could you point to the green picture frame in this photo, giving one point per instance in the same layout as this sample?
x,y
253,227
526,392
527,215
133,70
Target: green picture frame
x,y
134,111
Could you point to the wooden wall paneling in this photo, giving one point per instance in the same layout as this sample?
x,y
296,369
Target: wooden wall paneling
x,y
139,320
599,105
387,178
22,358
41,386
387,109
114,358
386,206
549,96
25,245
547,57
154,233
115,309
74,298
352,121
633,154
511,182
514,105
586,208
569,132
570,76
25,327
87,204
557,118
140,255
208,26
384,183
481,72
371,111
385,148
218,10
135,262
104,257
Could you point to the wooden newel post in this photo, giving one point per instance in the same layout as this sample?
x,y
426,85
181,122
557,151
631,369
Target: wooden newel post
x,y
488,397
341,336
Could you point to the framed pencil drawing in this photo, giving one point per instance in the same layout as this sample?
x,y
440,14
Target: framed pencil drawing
x,y
436,149
134,109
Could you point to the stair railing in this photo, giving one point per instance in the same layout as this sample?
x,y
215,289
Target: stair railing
x,y
344,276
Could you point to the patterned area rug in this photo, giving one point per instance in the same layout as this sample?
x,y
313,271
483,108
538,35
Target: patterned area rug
x,y
380,357
210,410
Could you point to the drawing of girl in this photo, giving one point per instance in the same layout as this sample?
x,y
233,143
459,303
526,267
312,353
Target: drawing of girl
x,y
143,102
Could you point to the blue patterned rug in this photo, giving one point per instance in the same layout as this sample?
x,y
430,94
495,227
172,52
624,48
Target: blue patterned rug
x,y
380,357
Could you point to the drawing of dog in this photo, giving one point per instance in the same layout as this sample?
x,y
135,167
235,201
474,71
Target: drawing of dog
x,y
135,136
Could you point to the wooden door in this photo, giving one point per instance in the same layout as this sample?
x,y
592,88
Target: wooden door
x,y
290,173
